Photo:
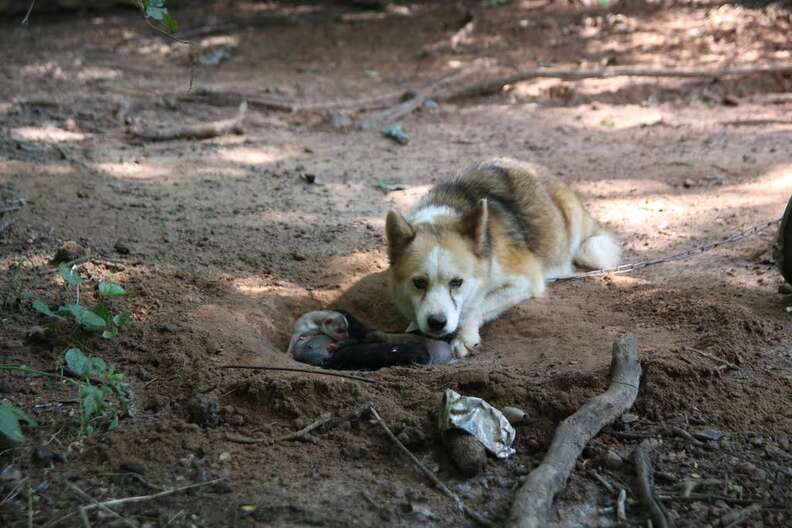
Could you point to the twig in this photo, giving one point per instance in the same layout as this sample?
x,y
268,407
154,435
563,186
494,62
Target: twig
x,y
30,506
722,361
491,86
228,98
431,476
534,499
608,486
27,15
199,131
307,429
84,518
736,518
309,371
621,513
646,489
689,485
629,268
92,500
142,498
681,433
14,492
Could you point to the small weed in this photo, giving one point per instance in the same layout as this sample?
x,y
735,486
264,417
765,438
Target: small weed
x,y
103,391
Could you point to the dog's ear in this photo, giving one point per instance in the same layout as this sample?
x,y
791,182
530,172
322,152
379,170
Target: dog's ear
x,y
399,233
475,225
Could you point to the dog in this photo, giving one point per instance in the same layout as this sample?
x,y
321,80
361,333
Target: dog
x,y
477,245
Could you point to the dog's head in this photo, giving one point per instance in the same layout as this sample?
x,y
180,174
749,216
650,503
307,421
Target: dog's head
x,y
436,268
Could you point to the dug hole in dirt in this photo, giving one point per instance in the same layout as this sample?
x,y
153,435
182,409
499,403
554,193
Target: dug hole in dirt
x,y
221,243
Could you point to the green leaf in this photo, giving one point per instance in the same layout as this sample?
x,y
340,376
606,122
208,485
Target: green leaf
x,y
92,400
84,316
104,313
42,308
78,362
168,21
9,421
388,186
156,9
98,366
69,276
110,334
121,319
111,289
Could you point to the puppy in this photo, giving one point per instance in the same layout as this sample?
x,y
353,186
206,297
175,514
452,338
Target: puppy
x,y
475,246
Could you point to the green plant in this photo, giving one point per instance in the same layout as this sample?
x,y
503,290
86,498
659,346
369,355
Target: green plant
x,y
10,417
104,393
94,318
156,10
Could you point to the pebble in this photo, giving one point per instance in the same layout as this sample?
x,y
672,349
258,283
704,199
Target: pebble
x,y
133,466
42,456
70,250
121,248
628,418
204,410
708,435
225,456
514,415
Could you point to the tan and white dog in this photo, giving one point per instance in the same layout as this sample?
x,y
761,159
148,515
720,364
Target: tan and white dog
x,y
475,246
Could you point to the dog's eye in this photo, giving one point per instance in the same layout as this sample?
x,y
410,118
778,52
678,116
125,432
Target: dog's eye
x,y
455,283
420,283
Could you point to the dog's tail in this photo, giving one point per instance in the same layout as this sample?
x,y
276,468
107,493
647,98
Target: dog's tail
x,y
598,248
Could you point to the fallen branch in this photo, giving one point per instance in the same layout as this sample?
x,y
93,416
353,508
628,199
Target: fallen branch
x,y
309,371
200,131
535,497
431,476
84,515
492,86
646,489
143,498
722,361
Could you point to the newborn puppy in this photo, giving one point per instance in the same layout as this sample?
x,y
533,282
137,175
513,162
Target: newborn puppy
x,y
321,322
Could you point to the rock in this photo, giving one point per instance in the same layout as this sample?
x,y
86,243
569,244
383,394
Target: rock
x,y
749,469
121,248
688,183
708,435
412,437
37,335
340,120
70,250
204,410
514,415
224,457
42,456
133,466
609,460
467,453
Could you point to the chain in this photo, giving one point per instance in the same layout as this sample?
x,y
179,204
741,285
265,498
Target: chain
x,y
629,268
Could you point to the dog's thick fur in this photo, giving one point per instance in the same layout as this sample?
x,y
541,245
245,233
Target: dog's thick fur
x,y
478,245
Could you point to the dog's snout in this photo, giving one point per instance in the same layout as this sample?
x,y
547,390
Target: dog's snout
x,y
436,322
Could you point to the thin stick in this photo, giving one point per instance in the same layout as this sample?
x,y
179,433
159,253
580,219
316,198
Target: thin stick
x,y
84,518
491,86
736,518
199,131
646,489
30,506
426,471
621,512
608,486
722,361
309,371
629,268
307,429
534,499
142,498
92,500
27,15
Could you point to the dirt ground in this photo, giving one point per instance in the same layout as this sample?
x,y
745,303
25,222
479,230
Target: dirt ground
x,y
222,243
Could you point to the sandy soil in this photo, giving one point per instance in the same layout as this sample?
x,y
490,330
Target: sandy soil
x,y
222,244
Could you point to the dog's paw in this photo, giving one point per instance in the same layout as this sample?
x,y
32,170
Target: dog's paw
x,y
465,343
